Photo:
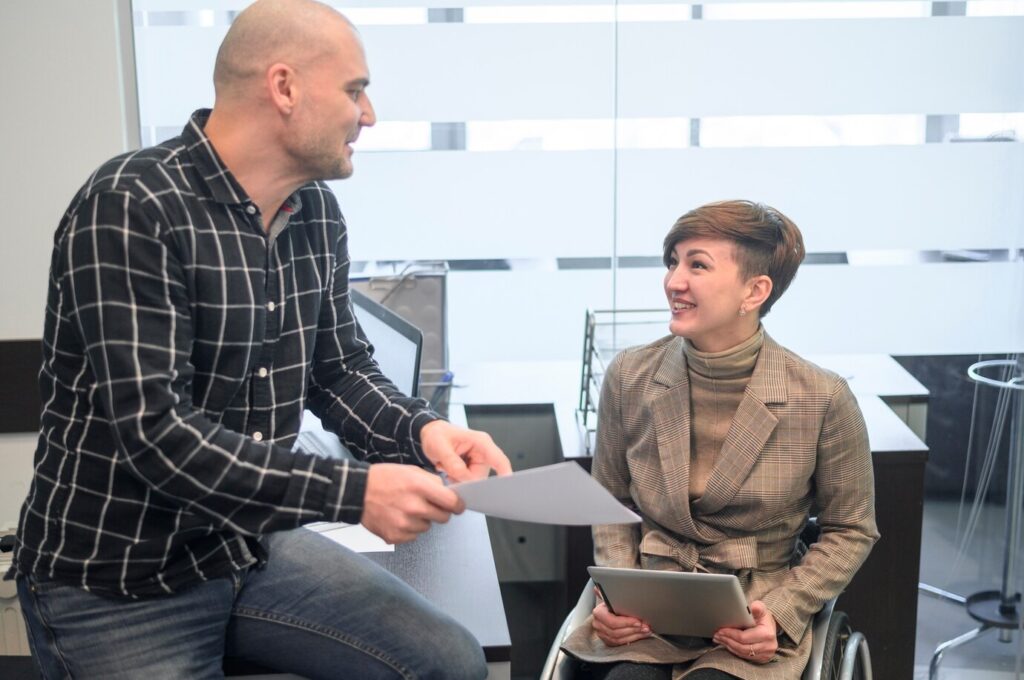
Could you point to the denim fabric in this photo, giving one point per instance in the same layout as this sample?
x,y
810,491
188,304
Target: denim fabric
x,y
315,609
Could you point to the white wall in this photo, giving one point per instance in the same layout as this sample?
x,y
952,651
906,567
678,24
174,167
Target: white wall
x,y
67,107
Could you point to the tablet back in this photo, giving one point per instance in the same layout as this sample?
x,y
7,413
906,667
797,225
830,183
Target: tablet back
x,y
673,602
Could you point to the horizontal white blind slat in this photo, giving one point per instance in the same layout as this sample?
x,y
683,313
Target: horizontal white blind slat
x,y
932,65
927,197
175,60
924,309
510,316
915,309
524,204
870,8
460,205
461,72
236,5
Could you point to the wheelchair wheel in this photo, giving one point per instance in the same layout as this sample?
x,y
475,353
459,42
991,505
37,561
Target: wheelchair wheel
x,y
839,632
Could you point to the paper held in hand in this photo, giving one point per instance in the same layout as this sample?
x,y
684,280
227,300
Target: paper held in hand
x,y
554,494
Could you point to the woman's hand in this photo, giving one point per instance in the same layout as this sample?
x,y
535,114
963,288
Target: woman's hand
x,y
756,644
617,630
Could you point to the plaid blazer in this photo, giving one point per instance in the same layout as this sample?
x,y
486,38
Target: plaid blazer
x,y
796,445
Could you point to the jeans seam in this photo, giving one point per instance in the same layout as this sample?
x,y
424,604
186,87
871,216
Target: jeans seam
x,y
58,653
326,632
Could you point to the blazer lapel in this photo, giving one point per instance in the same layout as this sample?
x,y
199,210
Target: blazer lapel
x,y
670,415
751,427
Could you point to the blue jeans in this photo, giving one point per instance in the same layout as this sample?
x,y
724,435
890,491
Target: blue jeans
x,y
316,609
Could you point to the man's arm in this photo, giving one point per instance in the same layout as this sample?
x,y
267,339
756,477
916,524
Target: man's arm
x,y
347,389
129,301
362,406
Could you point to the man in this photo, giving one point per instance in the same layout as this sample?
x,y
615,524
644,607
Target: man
x,y
198,302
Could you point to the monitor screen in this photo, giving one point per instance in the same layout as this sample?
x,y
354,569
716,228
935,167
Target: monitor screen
x,y
397,346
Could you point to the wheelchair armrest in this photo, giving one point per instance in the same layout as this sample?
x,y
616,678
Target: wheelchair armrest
x,y
557,665
819,633
856,650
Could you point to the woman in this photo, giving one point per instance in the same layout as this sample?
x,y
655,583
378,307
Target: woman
x,y
724,441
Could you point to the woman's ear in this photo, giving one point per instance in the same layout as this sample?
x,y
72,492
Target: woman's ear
x,y
759,288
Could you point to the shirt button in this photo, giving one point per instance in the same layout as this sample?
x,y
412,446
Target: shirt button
x,y
251,209
258,436
271,306
262,372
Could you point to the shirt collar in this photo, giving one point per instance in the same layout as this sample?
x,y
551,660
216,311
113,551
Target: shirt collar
x,y
220,183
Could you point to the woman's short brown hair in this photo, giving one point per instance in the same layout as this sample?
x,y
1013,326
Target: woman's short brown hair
x,y
767,242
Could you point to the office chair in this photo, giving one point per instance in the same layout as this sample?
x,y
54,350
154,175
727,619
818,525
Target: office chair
x,y
837,651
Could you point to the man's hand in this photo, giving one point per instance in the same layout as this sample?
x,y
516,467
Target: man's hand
x,y
460,453
756,644
617,630
402,500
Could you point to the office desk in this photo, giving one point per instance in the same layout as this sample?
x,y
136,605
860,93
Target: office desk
x,y
882,376
882,598
451,565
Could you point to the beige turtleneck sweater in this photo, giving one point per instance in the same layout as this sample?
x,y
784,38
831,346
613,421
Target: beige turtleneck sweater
x,y
717,383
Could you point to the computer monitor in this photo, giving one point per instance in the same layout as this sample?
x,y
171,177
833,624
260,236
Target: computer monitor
x,y
397,346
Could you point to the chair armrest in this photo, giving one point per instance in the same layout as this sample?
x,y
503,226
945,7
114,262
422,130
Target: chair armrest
x,y
819,633
556,667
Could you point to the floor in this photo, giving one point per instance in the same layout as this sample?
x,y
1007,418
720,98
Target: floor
x,y
976,565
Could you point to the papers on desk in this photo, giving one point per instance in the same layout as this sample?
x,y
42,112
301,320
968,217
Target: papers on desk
x,y
554,494
355,537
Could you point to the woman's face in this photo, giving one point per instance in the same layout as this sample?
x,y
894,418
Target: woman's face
x,y
705,293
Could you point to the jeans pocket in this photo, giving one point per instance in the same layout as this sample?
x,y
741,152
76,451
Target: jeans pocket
x,y
44,587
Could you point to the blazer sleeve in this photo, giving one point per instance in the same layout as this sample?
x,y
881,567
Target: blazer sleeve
x,y
845,501
615,545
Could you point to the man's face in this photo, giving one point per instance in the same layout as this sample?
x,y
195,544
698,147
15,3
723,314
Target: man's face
x,y
335,108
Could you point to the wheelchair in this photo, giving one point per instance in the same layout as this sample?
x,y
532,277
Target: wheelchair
x,y
837,651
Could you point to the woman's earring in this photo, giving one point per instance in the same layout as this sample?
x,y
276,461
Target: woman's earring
x,y
743,312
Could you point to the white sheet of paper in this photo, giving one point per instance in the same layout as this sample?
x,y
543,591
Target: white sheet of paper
x,y
553,494
355,537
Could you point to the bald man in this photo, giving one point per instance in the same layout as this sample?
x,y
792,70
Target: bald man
x,y
198,303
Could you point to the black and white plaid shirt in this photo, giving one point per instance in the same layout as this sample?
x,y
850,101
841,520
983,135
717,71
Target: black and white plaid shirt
x,y
182,344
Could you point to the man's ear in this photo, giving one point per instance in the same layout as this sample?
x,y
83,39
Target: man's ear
x,y
282,87
758,290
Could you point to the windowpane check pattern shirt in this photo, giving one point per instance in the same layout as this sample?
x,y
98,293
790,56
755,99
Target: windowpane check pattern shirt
x,y
181,345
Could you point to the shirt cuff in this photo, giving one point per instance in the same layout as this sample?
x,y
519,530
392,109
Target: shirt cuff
x,y
418,422
345,497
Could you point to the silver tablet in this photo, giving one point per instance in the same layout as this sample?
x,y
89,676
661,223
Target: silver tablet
x,y
675,602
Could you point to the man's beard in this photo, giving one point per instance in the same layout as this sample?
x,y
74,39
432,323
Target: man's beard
x,y
319,165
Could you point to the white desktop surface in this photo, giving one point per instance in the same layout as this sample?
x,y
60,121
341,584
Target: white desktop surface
x,y
871,377
886,431
877,374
